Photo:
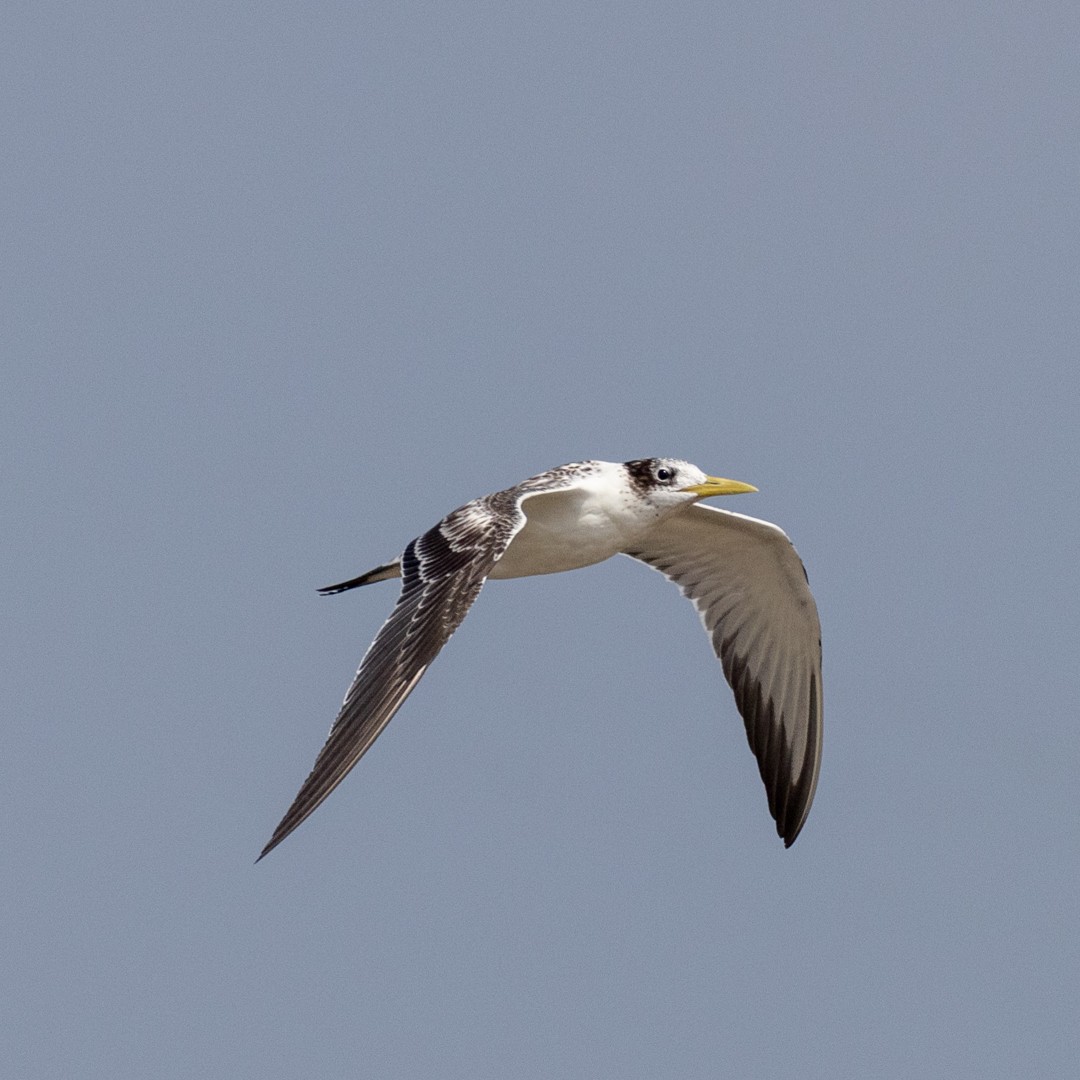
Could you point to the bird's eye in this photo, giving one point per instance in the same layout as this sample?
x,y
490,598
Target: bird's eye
x,y
664,474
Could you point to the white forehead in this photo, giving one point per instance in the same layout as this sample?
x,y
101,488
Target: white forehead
x,y
686,472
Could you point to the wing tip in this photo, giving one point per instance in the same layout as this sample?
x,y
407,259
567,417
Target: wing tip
x,y
790,835
279,835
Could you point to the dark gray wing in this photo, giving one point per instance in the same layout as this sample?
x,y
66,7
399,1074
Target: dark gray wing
x,y
749,586
442,574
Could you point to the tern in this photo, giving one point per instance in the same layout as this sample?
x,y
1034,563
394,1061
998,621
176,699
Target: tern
x,y
743,576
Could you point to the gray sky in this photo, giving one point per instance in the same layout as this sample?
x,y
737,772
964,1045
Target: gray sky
x,y
283,284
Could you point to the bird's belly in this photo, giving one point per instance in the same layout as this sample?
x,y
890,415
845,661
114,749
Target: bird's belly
x,y
551,546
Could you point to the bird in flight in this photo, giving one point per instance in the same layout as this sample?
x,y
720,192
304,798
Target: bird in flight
x,y
743,576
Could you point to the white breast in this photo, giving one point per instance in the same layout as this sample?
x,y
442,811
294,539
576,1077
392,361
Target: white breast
x,y
575,527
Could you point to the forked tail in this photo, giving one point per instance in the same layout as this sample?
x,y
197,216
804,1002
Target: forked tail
x,y
380,573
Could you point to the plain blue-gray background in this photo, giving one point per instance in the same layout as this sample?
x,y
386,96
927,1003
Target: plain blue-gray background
x,y
285,283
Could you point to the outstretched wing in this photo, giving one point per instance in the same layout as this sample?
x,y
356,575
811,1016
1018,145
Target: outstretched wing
x,y
749,586
442,574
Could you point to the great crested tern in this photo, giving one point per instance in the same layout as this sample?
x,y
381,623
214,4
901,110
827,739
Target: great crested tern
x,y
743,576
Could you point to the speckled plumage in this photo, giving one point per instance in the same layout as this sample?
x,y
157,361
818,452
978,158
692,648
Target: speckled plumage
x,y
742,574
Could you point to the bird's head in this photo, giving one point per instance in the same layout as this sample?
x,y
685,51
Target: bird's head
x,y
670,483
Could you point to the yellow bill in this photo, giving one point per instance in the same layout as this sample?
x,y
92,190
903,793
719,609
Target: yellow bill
x,y
716,485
